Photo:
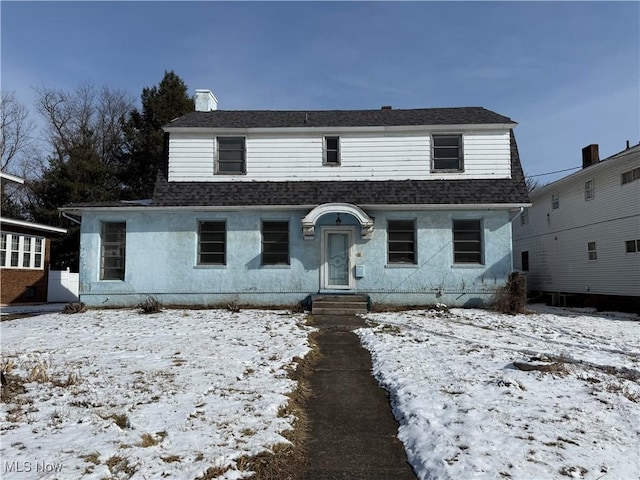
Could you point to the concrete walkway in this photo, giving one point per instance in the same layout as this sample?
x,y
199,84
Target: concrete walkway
x,y
353,432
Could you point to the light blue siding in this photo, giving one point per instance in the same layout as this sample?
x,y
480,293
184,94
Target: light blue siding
x,y
161,260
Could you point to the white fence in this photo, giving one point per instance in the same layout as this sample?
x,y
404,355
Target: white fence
x,y
63,286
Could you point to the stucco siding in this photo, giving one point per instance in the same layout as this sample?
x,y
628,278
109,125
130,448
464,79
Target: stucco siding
x,y
363,156
161,260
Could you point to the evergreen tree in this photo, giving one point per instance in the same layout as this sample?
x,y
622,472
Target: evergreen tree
x,y
145,138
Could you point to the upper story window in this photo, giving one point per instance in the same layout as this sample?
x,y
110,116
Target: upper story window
x,y
331,151
275,243
232,155
21,251
632,246
555,200
524,218
467,241
212,239
447,152
401,247
112,253
592,251
588,190
631,175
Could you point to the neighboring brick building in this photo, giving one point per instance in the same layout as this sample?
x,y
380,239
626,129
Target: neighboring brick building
x,y
24,260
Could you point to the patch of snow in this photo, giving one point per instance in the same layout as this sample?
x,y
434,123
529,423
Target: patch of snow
x,y
466,412
117,394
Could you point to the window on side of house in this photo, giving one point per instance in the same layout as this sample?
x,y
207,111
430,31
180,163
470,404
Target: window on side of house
x,y
524,218
331,151
467,241
632,246
113,249
555,200
591,251
447,153
21,251
524,257
588,190
231,156
401,241
275,243
631,175
212,243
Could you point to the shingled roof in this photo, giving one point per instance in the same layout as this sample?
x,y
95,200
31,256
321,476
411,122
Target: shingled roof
x,y
400,192
339,118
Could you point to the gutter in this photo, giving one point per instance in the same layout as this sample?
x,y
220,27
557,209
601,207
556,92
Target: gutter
x,y
69,217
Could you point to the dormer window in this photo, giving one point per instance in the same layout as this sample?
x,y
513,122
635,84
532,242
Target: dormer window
x,y
447,152
231,156
331,151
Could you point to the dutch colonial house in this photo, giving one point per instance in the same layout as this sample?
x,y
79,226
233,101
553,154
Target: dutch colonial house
x,y
24,258
579,242
267,207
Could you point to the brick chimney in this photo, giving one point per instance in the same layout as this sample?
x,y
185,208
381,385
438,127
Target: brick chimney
x,y
205,101
590,155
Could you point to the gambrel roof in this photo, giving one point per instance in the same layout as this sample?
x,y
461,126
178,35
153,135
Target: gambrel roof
x,y
340,118
362,192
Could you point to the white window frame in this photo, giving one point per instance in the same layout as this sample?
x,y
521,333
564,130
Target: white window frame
x,y
634,244
325,151
524,218
630,176
22,247
589,190
460,137
555,200
592,251
220,171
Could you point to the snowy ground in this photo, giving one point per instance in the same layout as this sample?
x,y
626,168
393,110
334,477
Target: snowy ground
x,y
466,412
115,394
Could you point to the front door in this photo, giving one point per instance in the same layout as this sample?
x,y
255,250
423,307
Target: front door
x,y
337,246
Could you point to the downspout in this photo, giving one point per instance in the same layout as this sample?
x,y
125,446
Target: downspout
x,y
69,217
520,212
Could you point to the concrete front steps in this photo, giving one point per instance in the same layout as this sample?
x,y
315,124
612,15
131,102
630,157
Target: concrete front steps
x,y
334,304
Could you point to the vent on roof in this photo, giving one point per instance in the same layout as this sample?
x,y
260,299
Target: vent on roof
x,y
205,101
386,107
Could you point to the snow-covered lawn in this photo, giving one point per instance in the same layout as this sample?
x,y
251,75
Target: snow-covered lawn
x,y
116,394
465,412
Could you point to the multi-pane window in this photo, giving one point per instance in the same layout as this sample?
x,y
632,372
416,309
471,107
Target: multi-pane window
x,y
231,155
591,251
275,243
112,255
447,152
467,241
632,246
631,175
524,218
332,150
401,241
555,200
524,257
21,251
212,240
588,190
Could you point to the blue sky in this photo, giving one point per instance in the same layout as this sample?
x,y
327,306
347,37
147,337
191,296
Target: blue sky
x,y
567,72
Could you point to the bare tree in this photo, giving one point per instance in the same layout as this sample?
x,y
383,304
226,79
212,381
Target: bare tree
x,y
16,129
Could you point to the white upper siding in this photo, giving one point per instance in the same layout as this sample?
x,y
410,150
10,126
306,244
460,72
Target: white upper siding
x,y
364,156
557,239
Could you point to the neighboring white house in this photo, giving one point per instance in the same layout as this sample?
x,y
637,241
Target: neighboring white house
x,y
266,207
580,240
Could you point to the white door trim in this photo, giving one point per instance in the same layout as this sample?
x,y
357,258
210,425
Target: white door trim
x,y
350,231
